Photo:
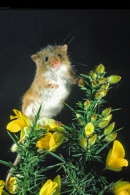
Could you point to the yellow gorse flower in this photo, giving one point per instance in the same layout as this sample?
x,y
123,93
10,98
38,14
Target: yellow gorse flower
x,y
51,187
2,184
121,188
20,121
51,141
115,159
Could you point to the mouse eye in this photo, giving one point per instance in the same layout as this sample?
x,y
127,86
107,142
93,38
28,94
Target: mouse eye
x,y
59,55
46,59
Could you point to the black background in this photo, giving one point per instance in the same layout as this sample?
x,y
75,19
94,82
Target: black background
x,y
94,36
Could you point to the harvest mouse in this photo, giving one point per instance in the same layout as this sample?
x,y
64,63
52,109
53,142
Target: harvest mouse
x,y
51,86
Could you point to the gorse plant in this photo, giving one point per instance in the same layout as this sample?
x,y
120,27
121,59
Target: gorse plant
x,y
82,161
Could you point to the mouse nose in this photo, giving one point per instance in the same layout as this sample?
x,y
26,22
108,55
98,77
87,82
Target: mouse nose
x,y
56,62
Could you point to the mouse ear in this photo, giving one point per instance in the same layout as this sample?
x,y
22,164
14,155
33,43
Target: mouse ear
x,y
65,47
35,58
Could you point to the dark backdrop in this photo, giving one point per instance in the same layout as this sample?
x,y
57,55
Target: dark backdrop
x,y
94,36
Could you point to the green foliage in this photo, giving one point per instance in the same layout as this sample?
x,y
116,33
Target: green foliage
x,y
82,165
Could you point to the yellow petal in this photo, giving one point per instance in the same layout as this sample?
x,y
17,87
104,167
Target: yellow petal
x,y
48,188
52,142
121,188
115,158
56,140
118,150
26,120
12,186
13,117
24,132
2,184
16,112
118,163
43,143
20,121
14,126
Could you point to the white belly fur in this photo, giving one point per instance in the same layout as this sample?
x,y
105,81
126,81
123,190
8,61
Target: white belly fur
x,y
52,100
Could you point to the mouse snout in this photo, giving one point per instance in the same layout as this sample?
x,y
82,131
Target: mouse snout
x,y
56,63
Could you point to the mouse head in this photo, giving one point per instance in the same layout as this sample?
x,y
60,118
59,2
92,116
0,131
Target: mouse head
x,y
52,56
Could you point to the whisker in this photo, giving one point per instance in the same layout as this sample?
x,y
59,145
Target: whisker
x,y
80,63
66,38
55,42
71,40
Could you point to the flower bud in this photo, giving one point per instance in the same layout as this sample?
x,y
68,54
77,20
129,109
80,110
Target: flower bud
x,y
105,86
83,143
106,111
79,119
109,128
94,83
93,75
103,124
92,140
108,117
93,117
81,82
86,104
101,80
89,129
111,137
78,115
14,148
105,120
113,79
60,129
100,94
100,69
